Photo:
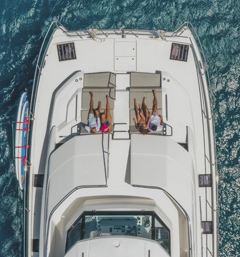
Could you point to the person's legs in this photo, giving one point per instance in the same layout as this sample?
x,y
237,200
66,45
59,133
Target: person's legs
x,y
107,111
97,111
136,110
103,116
91,110
141,112
144,106
155,101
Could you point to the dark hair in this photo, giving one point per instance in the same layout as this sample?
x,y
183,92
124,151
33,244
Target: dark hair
x,y
143,130
154,128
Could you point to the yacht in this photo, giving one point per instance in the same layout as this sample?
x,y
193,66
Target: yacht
x,y
120,193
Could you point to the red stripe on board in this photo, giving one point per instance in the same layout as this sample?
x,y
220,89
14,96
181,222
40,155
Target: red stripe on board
x,y
26,146
26,129
26,121
24,159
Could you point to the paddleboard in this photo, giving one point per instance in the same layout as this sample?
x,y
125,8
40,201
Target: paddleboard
x,y
21,139
24,135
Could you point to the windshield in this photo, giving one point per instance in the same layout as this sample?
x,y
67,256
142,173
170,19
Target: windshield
x,y
137,224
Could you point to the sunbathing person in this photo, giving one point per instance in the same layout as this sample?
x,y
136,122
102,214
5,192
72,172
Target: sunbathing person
x,y
156,120
142,121
93,117
106,118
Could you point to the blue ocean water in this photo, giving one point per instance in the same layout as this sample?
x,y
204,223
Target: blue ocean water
x,y
23,24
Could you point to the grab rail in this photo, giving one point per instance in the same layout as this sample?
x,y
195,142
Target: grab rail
x,y
180,207
208,130
198,41
40,63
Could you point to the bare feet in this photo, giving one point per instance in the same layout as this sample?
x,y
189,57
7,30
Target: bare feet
x,y
144,100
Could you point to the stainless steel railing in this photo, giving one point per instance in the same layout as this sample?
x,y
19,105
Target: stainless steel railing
x,y
208,136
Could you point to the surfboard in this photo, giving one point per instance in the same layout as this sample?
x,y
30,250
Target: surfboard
x,y
21,136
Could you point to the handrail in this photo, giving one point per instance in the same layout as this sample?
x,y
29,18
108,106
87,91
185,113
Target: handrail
x,y
180,206
196,36
57,205
90,33
39,65
208,117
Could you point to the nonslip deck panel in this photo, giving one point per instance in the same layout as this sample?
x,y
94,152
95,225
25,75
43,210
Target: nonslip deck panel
x,y
143,79
99,79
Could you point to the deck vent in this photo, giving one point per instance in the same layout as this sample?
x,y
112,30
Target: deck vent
x,y
179,52
207,227
35,245
38,180
66,52
205,180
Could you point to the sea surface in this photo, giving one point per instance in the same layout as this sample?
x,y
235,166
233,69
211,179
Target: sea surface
x,y
23,24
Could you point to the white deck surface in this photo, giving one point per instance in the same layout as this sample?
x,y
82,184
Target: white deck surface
x,y
120,55
118,247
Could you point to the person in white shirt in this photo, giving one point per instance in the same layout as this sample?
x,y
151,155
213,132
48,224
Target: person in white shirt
x,y
94,123
155,122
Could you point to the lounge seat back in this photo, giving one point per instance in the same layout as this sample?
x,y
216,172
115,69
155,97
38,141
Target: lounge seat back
x,y
99,79
101,84
145,80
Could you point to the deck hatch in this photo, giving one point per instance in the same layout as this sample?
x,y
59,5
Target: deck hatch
x,y
207,227
38,180
179,52
66,52
205,180
35,245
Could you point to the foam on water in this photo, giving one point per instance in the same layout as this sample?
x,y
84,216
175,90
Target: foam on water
x,y
23,24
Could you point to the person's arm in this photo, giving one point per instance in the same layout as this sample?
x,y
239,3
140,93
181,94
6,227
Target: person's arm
x,y
149,118
161,117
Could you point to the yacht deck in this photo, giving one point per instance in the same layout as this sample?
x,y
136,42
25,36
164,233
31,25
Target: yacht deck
x,y
59,106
